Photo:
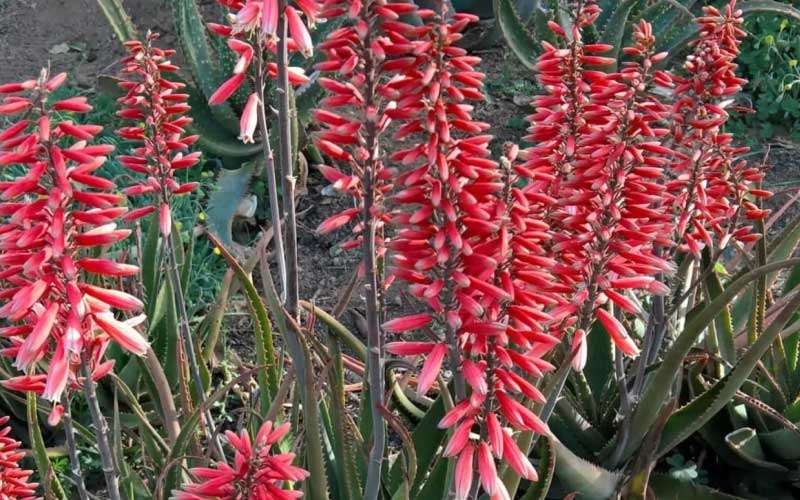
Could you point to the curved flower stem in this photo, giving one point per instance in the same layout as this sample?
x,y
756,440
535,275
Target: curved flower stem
x,y
188,341
101,433
272,185
165,395
375,361
292,286
72,448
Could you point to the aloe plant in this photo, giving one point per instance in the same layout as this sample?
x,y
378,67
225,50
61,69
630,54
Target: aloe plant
x,y
671,20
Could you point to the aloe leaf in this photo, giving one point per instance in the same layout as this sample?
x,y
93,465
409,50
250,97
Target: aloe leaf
x,y
723,322
665,15
668,488
783,443
435,486
119,20
768,7
745,443
427,438
47,477
164,332
519,39
343,440
696,413
600,365
674,44
216,140
138,411
231,187
187,257
574,430
298,349
338,329
408,460
659,386
590,481
546,469
201,59
265,354
151,263
616,26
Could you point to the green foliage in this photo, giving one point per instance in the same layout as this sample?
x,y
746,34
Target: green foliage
x,y
769,60
670,19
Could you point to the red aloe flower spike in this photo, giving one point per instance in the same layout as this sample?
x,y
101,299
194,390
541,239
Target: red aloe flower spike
x,y
14,480
609,216
153,100
709,188
444,183
257,472
51,215
468,248
41,248
370,53
156,103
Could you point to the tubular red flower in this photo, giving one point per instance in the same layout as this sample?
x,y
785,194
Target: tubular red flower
x,y
14,480
257,472
249,120
158,107
253,27
709,187
52,216
467,233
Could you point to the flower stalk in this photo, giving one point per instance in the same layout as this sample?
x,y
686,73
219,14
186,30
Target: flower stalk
x,y
72,448
292,283
101,433
155,100
272,184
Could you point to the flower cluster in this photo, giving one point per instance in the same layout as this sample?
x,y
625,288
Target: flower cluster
x,y
441,202
511,257
55,214
253,26
256,474
13,479
710,187
159,108
470,243
600,156
354,116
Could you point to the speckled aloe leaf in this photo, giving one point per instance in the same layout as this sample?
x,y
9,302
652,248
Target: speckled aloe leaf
x,y
119,19
701,409
201,59
655,393
520,40
231,186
